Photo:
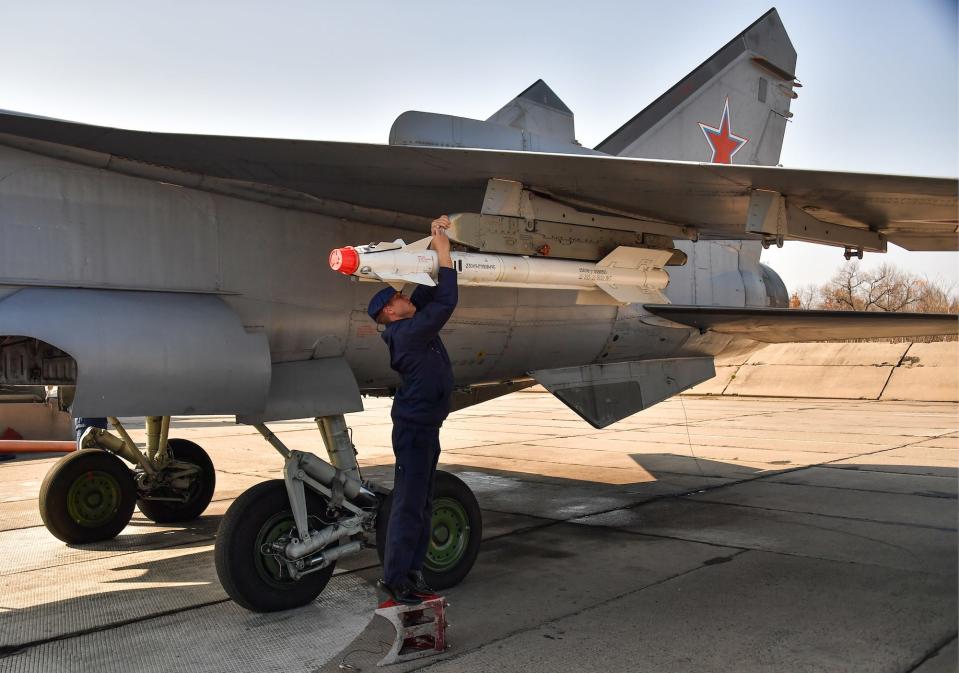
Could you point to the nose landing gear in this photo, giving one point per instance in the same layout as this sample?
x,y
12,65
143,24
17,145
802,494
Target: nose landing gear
x,y
89,495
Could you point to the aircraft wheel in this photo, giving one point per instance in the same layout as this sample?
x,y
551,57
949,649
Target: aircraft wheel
x,y
88,496
255,580
457,529
199,492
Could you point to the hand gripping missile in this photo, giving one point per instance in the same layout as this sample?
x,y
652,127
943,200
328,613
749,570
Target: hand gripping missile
x,y
626,275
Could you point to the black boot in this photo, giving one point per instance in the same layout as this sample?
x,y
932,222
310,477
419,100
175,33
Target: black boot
x,y
402,593
419,583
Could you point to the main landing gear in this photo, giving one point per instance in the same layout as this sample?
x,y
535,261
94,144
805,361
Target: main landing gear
x,y
279,541
89,495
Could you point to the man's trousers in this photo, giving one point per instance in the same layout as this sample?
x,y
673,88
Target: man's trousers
x,y
81,424
417,450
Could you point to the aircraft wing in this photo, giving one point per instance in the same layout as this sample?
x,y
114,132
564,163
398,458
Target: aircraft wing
x,y
717,201
783,325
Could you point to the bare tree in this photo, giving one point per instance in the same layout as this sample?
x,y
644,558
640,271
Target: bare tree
x,y
937,298
808,296
885,288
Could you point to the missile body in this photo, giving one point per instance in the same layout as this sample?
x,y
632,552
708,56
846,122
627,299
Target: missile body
x,y
624,276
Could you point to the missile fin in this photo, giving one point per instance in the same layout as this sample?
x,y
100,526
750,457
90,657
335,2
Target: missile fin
x,y
632,295
382,246
422,244
595,298
627,257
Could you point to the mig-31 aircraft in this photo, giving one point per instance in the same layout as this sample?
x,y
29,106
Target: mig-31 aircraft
x,y
163,274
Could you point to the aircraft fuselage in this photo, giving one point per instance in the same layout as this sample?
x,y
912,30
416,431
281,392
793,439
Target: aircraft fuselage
x,y
78,226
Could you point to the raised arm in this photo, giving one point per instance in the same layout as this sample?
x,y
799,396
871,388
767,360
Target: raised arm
x,y
438,302
430,320
424,294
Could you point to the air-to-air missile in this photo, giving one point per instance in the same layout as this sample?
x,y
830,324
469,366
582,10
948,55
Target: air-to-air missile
x,y
624,276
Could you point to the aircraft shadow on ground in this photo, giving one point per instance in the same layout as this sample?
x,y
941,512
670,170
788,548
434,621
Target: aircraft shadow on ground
x,y
659,466
663,465
186,579
201,531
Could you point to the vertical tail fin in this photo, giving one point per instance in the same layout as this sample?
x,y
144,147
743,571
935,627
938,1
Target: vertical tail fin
x,y
731,109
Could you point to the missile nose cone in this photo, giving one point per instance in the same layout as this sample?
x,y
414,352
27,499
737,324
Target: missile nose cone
x,y
345,260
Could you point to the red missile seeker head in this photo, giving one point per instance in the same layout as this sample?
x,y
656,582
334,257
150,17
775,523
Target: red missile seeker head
x,y
345,260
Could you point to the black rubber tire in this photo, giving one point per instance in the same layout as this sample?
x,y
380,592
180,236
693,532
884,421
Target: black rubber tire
x,y
239,563
55,494
445,486
164,511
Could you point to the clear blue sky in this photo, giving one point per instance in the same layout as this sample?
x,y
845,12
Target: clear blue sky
x,y
880,78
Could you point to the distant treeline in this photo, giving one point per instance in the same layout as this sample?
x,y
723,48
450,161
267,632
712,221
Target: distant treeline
x,y
885,288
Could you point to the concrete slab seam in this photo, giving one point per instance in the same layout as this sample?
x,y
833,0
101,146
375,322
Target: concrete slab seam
x,y
918,440
832,516
13,650
774,552
576,613
938,647
117,554
940,496
855,468
732,378
663,425
891,371
659,497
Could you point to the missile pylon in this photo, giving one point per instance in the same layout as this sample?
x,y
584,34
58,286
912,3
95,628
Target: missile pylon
x,y
626,275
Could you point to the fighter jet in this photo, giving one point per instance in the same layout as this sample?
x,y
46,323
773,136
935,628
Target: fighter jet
x,y
163,274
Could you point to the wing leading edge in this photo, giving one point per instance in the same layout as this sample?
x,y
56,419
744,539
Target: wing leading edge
x,y
717,201
778,325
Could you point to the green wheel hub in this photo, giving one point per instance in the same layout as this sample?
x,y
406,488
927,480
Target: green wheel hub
x,y
93,498
449,536
277,526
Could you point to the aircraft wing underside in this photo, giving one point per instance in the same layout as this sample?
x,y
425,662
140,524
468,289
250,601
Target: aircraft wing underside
x,y
777,325
717,201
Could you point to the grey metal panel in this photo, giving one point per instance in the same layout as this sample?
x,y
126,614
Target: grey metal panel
x,y
539,92
777,325
777,296
147,353
439,130
719,273
429,180
58,219
309,389
535,121
538,110
604,394
467,397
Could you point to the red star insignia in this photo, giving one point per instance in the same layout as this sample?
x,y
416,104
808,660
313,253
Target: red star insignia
x,y
722,141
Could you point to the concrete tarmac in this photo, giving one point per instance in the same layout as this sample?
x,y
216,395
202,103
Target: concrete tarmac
x,y
704,534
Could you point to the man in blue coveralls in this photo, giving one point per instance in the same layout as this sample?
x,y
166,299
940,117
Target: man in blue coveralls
x,y
420,406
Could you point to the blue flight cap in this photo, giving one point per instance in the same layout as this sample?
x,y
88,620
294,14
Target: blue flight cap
x,y
379,300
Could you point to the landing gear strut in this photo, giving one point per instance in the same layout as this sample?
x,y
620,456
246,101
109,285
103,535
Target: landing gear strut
x,y
279,541
89,496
